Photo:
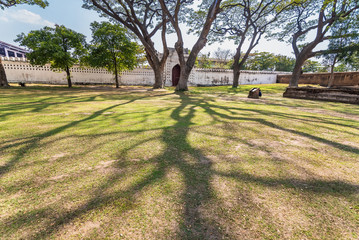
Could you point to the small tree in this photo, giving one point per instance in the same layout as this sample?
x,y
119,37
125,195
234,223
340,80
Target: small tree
x,y
60,46
9,3
112,48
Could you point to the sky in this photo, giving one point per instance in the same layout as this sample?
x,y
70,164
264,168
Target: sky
x,y
24,18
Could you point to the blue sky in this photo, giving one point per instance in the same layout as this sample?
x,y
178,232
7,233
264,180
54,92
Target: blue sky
x,y
70,13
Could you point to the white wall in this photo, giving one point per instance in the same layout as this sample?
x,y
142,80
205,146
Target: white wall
x,y
18,70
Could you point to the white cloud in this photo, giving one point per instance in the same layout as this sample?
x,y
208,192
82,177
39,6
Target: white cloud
x,y
25,16
4,19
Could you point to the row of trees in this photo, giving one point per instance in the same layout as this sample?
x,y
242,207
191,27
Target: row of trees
x,y
266,61
245,22
111,48
338,62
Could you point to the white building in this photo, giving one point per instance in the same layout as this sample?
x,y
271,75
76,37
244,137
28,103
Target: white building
x,y
8,50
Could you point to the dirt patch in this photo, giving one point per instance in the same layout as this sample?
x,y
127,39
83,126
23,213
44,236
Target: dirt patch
x,y
204,160
105,164
57,156
107,167
59,177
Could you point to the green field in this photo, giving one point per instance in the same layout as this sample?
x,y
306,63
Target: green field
x,y
97,163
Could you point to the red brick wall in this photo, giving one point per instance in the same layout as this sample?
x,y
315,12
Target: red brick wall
x,y
340,79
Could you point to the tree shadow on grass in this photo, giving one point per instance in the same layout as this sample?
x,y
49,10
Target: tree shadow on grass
x,y
178,153
211,110
196,169
34,142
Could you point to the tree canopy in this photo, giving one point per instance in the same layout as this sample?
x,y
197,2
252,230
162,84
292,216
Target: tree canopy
x,y
177,11
245,22
112,48
317,17
9,3
144,19
60,46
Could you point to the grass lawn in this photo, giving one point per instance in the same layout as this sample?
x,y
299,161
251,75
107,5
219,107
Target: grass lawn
x,y
97,163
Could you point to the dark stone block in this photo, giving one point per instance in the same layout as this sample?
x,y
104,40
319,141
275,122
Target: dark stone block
x,y
345,95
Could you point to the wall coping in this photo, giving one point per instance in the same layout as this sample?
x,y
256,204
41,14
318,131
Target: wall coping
x,y
321,73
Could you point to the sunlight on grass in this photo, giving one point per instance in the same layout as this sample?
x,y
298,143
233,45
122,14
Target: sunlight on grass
x,y
93,162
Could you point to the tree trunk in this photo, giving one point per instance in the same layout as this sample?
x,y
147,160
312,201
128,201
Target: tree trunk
x,y
186,66
236,74
236,68
331,79
69,83
182,83
297,71
159,78
3,79
116,74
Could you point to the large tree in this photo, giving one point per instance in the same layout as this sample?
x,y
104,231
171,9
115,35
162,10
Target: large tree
x,y
245,22
344,45
145,19
60,46
112,48
9,3
316,17
177,12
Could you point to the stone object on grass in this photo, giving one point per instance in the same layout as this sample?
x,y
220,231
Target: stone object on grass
x,y
255,93
338,94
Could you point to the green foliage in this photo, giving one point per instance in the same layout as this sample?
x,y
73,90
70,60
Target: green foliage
x,y
353,61
311,66
60,46
203,61
341,68
328,19
9,3
284,63
111,48
343,47
240,19
261,61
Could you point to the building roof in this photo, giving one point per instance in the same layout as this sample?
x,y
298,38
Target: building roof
x,y
9,50
12,47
